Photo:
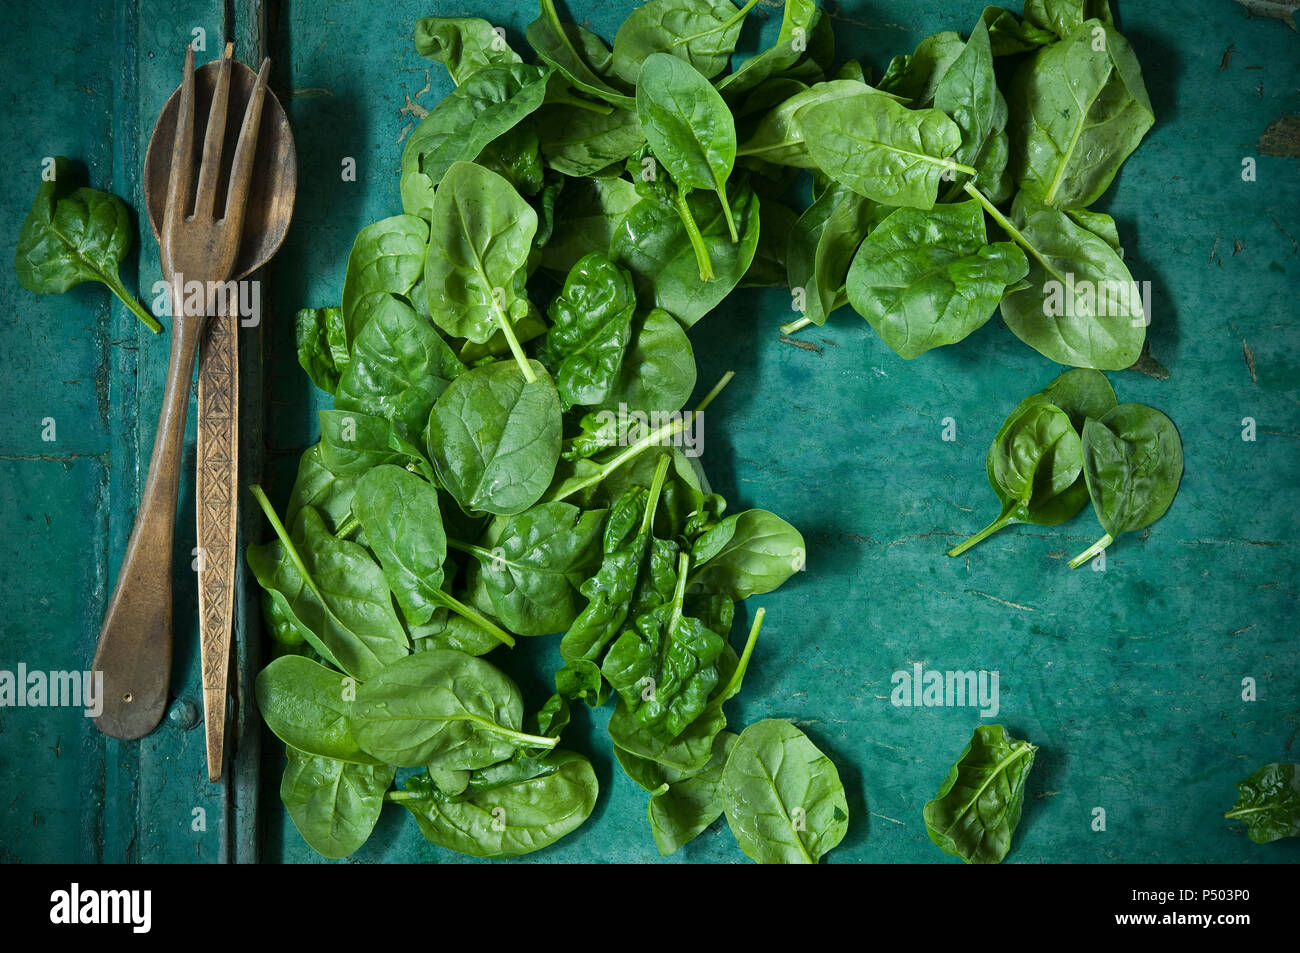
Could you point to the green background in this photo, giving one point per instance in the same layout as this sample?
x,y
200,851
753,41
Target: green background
x,y
1128,680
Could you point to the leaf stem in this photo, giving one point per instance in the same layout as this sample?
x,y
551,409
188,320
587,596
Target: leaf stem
x,y
723,381
697,240
721,188
292,551
473,615
1091,551
347,526
520,358
733,683
1010,229
114,284
567,98
1006,519
649,440
652,500
796,325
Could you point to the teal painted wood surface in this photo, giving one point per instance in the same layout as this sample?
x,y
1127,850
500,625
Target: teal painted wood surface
x,y
1129,680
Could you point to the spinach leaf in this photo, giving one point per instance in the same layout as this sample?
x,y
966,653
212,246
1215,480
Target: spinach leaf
x,y
462,44
516,156
1034,461
779,136
652,242
688,126
1133,463
386,259
658,371
681,809
557,44
306,705
73,235
663,667
968,93
821,248
701,32
334,804
1078,306
1063,17
889,153
1008,34
508,811
481,236
746,554
317,486
1080,112
490,102
926,279
978,805
798,20
1268,802
782,796
915,77
322,345
586,222
592,324
352,442
494,438
399,367
333,592
531,565
580,142
441,708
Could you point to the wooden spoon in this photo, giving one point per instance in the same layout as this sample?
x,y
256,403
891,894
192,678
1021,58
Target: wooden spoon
x,y
141,657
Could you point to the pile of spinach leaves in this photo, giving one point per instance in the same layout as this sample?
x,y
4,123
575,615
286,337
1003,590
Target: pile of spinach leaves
x,y
563,223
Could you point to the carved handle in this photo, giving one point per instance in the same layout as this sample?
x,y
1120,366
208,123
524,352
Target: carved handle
x,y
216,487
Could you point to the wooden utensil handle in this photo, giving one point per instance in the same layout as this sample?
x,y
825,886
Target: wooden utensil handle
x,y
216,482
135,643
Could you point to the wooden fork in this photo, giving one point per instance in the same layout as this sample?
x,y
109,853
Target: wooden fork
x,y
200,239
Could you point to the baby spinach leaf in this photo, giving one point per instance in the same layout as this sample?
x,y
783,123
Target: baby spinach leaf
x,y
352,442
462,44
663,667
1268,803
400,516
306,705
322,345
441,708
681,809
1035,459
399,367
1133,463
516,156
822,245
491,101
779,135
569,49
701,32
586,222
1008,34
319,487
689,127
978,805
494,438
884,151
926,279
333,804
916,76
386,259
1079,305
746,554
652,242
531,565
968,93
782,796
1063,17
73,235
580,142
481,235
798,18
592,324
507,812
1081,109
658,371
334,593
